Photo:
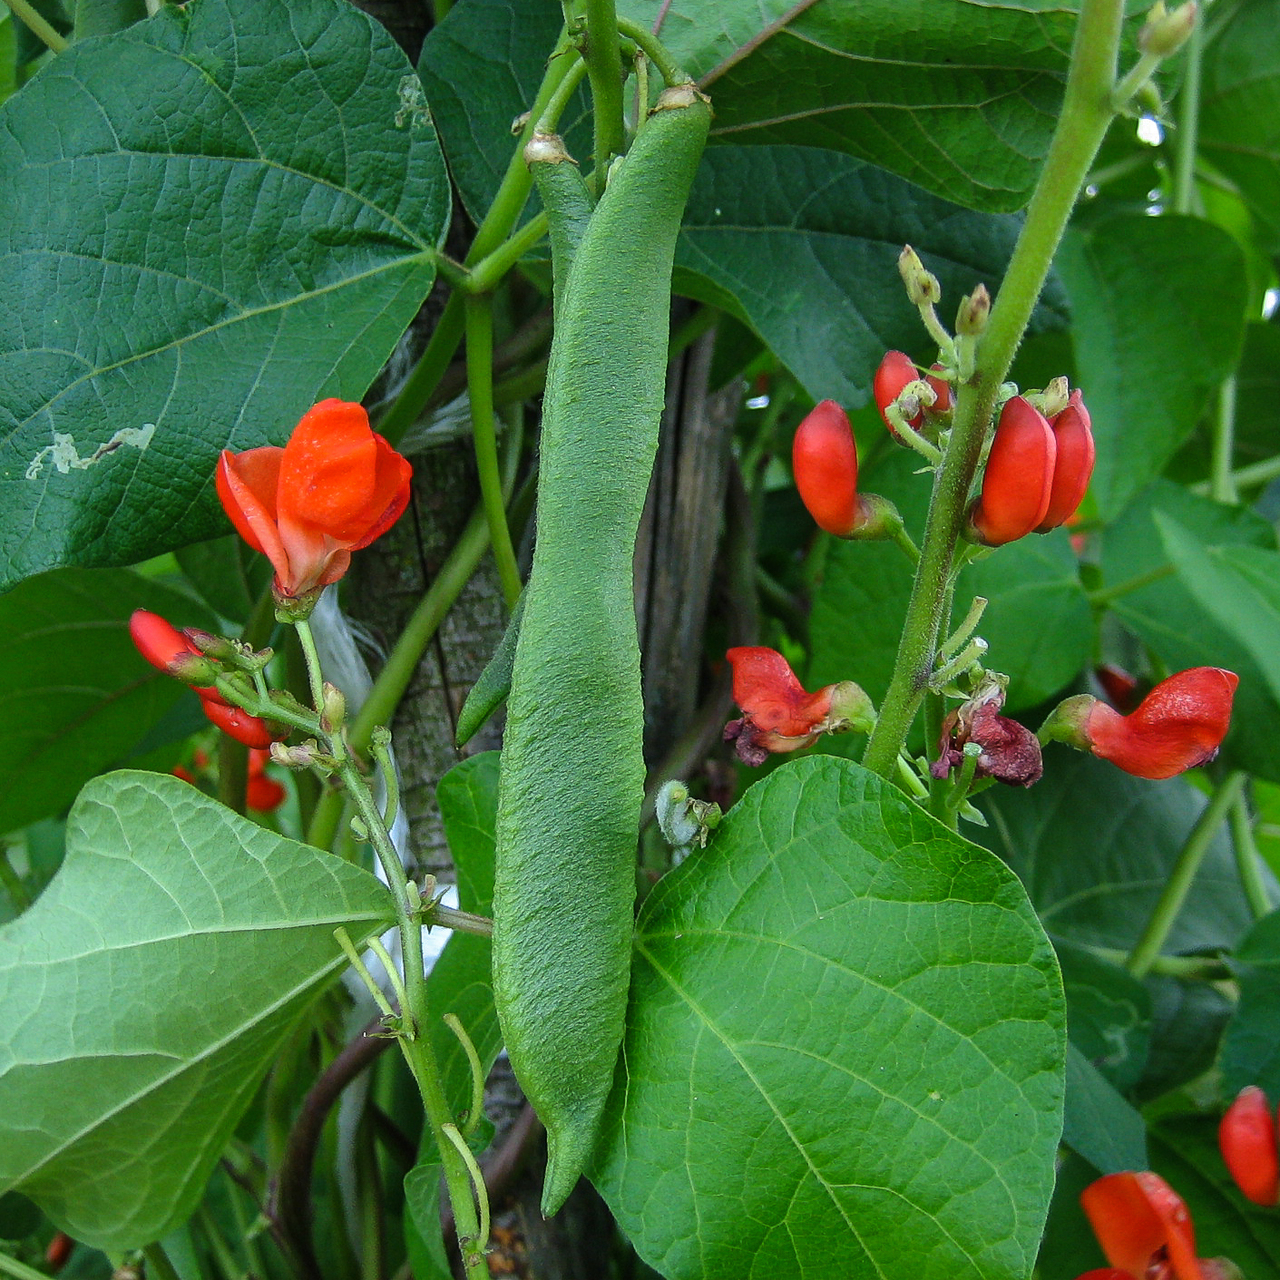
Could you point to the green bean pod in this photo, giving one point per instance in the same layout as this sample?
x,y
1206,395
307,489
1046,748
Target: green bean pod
x,y
572,772
494,683
567,201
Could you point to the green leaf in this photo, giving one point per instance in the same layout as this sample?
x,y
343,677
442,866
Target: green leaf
x,y
104,17
1108,1013
1068,1248
1158,307
1097,1122
1240,110
1094,848
159,975
1184,1151
1251,1044
1167,617
1187,1022
834,943
959,96
1239,588
229,575
177,281
424,1239
75,696
780,259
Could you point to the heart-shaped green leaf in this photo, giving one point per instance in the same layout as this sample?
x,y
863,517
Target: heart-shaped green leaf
x,y
207,222
148,989
844,1049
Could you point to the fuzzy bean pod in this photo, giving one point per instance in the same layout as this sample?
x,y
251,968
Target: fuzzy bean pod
x,y
572,773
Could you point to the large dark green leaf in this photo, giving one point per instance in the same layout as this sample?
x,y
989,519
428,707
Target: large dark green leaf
x,y
1158,308
959,96
805,242
1094,848
1097,1122
1251,1045
1167,617
207,222
1240,109
1108,1013
833,942
74,694
156,979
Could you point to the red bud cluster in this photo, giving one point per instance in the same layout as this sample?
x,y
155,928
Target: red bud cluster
x,y
895,374
168,650
1037,472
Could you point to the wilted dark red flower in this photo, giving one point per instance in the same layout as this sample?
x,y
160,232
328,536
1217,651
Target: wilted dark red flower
x,y
1010,751
777,713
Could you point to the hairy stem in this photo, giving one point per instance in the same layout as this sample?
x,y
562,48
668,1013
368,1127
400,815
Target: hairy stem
x,y
1086,113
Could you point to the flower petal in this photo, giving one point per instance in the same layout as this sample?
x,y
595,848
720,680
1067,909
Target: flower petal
x,y
247,485
1134,1215
330,469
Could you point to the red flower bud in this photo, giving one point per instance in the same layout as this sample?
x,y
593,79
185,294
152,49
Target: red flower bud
x,y
1247,1136
1118,684
1018,481
824,460
945,401
777,713
168,650
1179,724
1140,1220
1073,462
894,373
58,1251
241,726
334,488
262,792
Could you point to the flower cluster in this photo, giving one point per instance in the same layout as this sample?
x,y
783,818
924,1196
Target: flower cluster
x,y
333,489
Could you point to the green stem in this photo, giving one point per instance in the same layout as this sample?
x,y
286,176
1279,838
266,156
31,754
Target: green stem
x,y
502,216
1105,595
315,678
549,118
12,883
1184,871
38,26
1223,484
223,1258
1248,859
489,273
1184,170
604,69
1189,968
1256,473
403,660
484,428
655,51
416,1041
19,1270
1086,113
158,1265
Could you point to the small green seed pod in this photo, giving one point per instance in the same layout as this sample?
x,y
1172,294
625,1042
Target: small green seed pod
x,y
572,774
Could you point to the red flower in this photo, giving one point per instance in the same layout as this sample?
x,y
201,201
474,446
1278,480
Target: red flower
x,y
824,460
1073,462
1247,1136
334,488
168,650
262,792
1018,480
1141,1223
1179,724
241,726
777,713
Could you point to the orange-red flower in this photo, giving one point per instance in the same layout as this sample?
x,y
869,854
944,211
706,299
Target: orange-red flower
x,y
1018,481
1141,1223
262,792
777,713
334,488
1247,1136
1179,724
168,650
1073,462
243,727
